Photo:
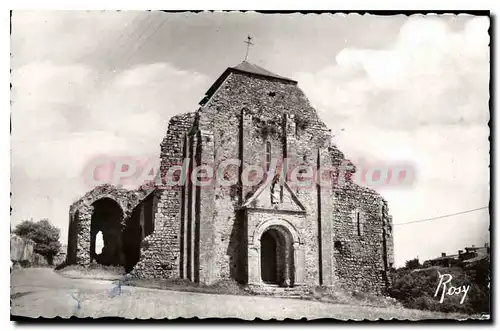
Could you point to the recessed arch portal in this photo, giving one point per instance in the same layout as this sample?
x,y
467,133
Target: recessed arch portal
x,y
275,252
276,257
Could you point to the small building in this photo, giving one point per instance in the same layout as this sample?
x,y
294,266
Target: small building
x,y
467,255
444,261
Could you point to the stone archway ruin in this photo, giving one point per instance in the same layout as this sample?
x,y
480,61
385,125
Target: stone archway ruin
x,y
107,218
106,209
123,217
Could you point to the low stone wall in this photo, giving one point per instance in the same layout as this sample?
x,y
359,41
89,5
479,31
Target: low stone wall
x,y
21,249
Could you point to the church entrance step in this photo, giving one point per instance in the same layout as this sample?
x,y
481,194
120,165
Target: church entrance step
x,y
276,291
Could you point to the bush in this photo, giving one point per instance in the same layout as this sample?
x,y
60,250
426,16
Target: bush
x,y
44,234
416,289
413,264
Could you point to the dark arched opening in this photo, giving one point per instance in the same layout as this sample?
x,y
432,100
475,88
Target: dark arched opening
x,y
72,238
139,225
276,257
107,218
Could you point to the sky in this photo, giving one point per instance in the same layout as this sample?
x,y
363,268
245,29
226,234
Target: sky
x,y
394,90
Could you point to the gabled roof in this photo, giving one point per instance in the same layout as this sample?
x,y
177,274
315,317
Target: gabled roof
x,y
477,258
455,256
256,70
247,68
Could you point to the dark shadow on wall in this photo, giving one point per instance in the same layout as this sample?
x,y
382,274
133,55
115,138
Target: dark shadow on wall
x,y
72,238
196,248
132,238
139,225
237,249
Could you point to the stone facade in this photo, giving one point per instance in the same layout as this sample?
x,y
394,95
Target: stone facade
x,y
274,231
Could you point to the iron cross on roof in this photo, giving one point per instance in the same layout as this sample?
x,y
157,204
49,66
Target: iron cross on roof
x,y
248,42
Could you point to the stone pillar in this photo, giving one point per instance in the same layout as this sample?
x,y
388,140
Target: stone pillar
x,y
254,275
185,212
288,256
192,210
121,249
290,149
299,263
326,211
210,256
245,138
83,234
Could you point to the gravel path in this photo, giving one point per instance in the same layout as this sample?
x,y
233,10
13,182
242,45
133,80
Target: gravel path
x,y
42,292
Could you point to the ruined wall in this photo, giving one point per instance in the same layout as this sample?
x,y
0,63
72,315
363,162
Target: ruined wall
x,y
359,246
160,251
21,249
80,215
139,225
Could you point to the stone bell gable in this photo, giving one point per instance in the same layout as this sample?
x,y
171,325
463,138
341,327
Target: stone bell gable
x,y
269,231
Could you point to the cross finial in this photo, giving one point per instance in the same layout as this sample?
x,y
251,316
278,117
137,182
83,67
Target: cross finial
x,y
248,42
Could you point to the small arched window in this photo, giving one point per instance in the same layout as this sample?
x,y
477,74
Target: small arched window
x,y
268,155
358,222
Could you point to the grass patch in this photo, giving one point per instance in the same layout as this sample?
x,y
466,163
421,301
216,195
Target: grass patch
x,y
93,271
332,295
318,293
183,285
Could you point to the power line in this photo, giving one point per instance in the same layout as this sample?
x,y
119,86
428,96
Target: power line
x,y
108,75
146,40
104,80
107,78
118,42
443,216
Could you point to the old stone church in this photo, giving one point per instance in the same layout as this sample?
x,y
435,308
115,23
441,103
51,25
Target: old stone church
x,y
267,233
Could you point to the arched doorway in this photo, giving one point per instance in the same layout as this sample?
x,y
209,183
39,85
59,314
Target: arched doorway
x,y
107,218
276,257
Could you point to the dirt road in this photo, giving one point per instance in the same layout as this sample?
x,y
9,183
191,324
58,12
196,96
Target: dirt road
x,y
42,292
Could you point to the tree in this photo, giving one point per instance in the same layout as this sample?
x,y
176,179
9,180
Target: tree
x,y
413,264
44,234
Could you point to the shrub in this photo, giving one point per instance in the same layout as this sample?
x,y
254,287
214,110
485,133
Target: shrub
x,y
413,264
44,234
416,289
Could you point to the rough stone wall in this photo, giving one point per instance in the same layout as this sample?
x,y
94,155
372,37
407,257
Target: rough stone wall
x,y
244,114
206,227
359,249
21,249
160,251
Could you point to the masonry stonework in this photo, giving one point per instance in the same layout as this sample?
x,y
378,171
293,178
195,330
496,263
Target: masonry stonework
x,y
269,231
